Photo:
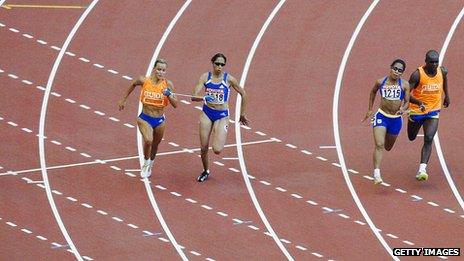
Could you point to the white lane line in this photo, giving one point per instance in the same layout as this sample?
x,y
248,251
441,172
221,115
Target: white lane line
x,y
327,147
281,189
238,130
42,42
98,161
98,65
102,212
312,202
28,36
84,59
436,139
432,204
127,77
42,130
337,132
139,136
306,152
26,231
290,146
321,158
401,190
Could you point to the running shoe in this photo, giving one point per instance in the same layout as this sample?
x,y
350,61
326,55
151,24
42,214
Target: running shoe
x,y
146,171
203,176
422,176
377,179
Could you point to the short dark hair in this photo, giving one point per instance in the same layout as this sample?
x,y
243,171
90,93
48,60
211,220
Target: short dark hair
x,y
217,56
399,61
431,53
160,60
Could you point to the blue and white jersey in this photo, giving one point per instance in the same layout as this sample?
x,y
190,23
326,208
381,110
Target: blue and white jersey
x,y
393,92
219,91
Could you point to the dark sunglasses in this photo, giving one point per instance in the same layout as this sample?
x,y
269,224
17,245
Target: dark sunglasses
x,y
397,69
219,64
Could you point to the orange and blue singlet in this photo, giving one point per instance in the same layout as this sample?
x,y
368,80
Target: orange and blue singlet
x,y
429,90
152,94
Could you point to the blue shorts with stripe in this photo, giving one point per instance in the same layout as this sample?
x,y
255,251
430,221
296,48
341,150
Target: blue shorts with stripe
x,y
153,121
213,114
392,123
420,118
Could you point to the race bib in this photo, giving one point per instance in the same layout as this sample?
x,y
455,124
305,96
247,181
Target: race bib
x,y
217,94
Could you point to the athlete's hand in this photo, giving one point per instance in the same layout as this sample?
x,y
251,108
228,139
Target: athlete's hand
x,y
402,111
208,98
121,104
167,92
422,107
369,115
446,102
244,120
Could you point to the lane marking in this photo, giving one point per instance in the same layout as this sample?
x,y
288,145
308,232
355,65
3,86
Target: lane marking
x,y
128,158
327,147
436,139
238,136
11,6
42,130
139,136
338,145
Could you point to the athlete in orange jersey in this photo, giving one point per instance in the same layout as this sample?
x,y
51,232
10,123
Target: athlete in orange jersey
x,y
428,86
157,93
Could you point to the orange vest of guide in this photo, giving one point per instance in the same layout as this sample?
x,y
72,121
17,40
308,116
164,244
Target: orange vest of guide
x,y
429,91
152,94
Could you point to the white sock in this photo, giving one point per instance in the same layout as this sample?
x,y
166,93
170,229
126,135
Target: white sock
x,y
376,171
422,167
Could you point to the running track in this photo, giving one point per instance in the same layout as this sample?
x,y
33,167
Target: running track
x,y
291,82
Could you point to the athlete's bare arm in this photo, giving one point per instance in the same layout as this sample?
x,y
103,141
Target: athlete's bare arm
x,y
122,102
199,87
446,101
234,84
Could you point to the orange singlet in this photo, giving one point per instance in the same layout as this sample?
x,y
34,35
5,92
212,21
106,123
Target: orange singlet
x,y
429,91
152,94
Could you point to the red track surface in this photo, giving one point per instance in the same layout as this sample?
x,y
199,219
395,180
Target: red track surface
x,y
290,83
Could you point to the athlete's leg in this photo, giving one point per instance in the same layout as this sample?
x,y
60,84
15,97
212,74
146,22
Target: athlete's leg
x,y
219,134
413,129
158,134
390,141
147,137
205,132
379,139
430,128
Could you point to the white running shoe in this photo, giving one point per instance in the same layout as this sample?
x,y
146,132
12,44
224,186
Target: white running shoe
x,y
146,170
377,179
422,176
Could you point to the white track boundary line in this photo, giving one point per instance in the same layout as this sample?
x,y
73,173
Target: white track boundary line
x,y
436,139
8,173
337,133
139,136
43,113
239,138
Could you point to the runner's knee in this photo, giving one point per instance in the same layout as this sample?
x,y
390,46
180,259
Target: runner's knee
x,y
379,145
428,138
217,151
204,150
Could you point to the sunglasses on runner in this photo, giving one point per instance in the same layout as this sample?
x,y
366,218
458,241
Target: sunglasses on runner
x,y
396,69
219,64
